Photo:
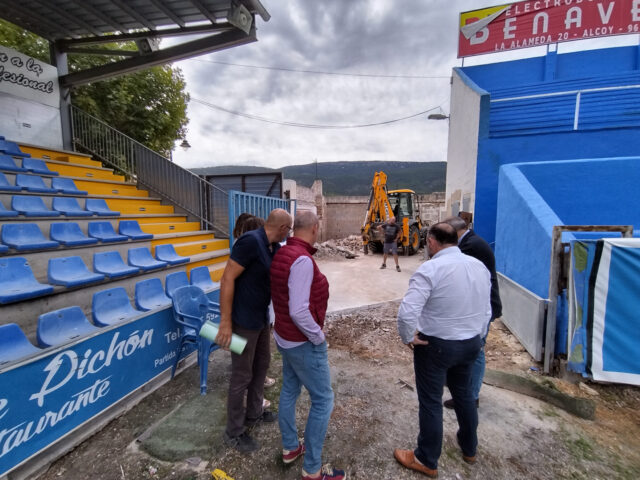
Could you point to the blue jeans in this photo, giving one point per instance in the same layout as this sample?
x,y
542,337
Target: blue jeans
x,y
477,372
440,362
306,365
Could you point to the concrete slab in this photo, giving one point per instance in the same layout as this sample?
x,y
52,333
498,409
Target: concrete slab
x,y
358,282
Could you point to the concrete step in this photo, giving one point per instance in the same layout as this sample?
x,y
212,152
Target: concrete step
x,y
176,238
83,171
192,248
164,228
61,155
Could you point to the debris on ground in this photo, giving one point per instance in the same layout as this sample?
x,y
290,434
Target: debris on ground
x,y
349,248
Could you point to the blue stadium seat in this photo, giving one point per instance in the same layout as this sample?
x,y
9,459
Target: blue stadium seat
x,y
33,183
17,281
11,148
100,207
174,281
166,253
112,306
70,207
3,248
132,229
62,326
104,232
111,264
8,164
37,166
6,186
71,272
201,277
150,295
141,257
31,206
66,185
69,233
191,308
14,344
6,213
25,236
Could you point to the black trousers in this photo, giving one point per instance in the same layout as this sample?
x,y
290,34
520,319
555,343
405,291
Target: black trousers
x,y
445,362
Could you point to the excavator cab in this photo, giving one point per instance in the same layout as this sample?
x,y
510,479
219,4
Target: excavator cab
x,y
405,209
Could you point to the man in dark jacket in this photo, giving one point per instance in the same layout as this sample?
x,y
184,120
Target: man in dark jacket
x,y
475,246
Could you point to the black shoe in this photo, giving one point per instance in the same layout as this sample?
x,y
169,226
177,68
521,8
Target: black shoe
x,y
449,403
398,268
383,266
243,442
267,417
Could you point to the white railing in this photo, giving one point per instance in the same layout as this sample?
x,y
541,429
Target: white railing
x,y
577,93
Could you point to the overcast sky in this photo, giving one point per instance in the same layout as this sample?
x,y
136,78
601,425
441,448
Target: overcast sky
x,y
371,37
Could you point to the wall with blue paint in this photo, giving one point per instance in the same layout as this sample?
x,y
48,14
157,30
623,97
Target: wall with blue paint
x,y
535,74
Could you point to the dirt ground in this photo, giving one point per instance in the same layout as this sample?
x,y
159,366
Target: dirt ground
x,y
376,410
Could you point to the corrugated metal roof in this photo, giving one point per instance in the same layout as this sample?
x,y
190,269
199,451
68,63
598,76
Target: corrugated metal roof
x,y
67,19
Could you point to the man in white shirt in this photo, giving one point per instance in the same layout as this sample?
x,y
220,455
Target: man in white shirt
x,y
443,317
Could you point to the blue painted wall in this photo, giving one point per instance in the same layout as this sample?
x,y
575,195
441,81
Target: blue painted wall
x,y
518,148
495,152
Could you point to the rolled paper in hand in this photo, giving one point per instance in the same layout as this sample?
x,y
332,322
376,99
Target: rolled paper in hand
x,y
210,331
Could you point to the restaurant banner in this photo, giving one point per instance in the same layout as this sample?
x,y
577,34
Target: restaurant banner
x,y
542,22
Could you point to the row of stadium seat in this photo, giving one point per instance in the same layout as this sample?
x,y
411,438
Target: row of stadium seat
x,y
34,165
108,308
33,206
28,236
34,183
17,281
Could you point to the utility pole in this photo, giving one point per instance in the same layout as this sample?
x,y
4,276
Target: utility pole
x,y
316,169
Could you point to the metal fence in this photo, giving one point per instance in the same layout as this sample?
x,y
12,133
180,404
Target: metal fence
x,y
149,169
258,205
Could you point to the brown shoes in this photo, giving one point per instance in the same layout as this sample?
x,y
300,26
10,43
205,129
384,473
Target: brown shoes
x,y
408,460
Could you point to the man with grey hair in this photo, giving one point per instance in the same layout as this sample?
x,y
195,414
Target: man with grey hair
x,y
475,246
300,294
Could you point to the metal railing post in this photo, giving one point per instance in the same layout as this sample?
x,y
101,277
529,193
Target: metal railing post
x,y
576,114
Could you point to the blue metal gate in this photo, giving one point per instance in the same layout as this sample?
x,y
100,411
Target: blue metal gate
x,y
258,205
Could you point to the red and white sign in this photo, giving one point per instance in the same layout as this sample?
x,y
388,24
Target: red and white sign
x,y
541,22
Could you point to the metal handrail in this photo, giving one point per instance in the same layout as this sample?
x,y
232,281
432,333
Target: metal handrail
x,y
150,169
577,93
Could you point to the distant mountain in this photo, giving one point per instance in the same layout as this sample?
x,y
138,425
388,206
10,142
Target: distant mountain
x,y
352,178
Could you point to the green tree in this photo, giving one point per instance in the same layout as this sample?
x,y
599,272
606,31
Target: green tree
x,y
149,105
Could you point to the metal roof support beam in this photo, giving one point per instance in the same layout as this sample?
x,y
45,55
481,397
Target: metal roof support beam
x,y
99,15
65,45
183,51
93,51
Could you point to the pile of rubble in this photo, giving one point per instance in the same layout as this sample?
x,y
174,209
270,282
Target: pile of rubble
x,y
344,247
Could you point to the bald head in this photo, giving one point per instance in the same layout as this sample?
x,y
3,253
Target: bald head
x,y
458,223
277,225
305,220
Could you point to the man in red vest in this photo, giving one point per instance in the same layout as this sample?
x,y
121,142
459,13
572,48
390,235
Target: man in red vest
x,y
300,294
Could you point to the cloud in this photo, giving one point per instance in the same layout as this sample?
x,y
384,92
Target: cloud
x,y
382,37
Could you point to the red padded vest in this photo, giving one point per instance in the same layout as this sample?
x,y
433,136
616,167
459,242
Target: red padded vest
x,y
318,297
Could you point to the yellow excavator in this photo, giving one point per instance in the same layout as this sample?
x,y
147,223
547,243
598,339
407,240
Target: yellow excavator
x,y
383,204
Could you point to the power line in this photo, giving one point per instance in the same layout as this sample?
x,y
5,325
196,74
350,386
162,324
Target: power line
x,y
320,72
308,125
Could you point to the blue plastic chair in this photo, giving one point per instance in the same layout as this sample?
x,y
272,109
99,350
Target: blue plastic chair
x,y
7,213
17,281
3,248
25,236
69,233
71,272
141,257
150,295
33,183
166,253
100,207
111,264
31,206
201,277
8,164
36,165
5,186
66,185
70,207
112,306
11,148
191,308
175,280
62,326
14,345
104,232
131,229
